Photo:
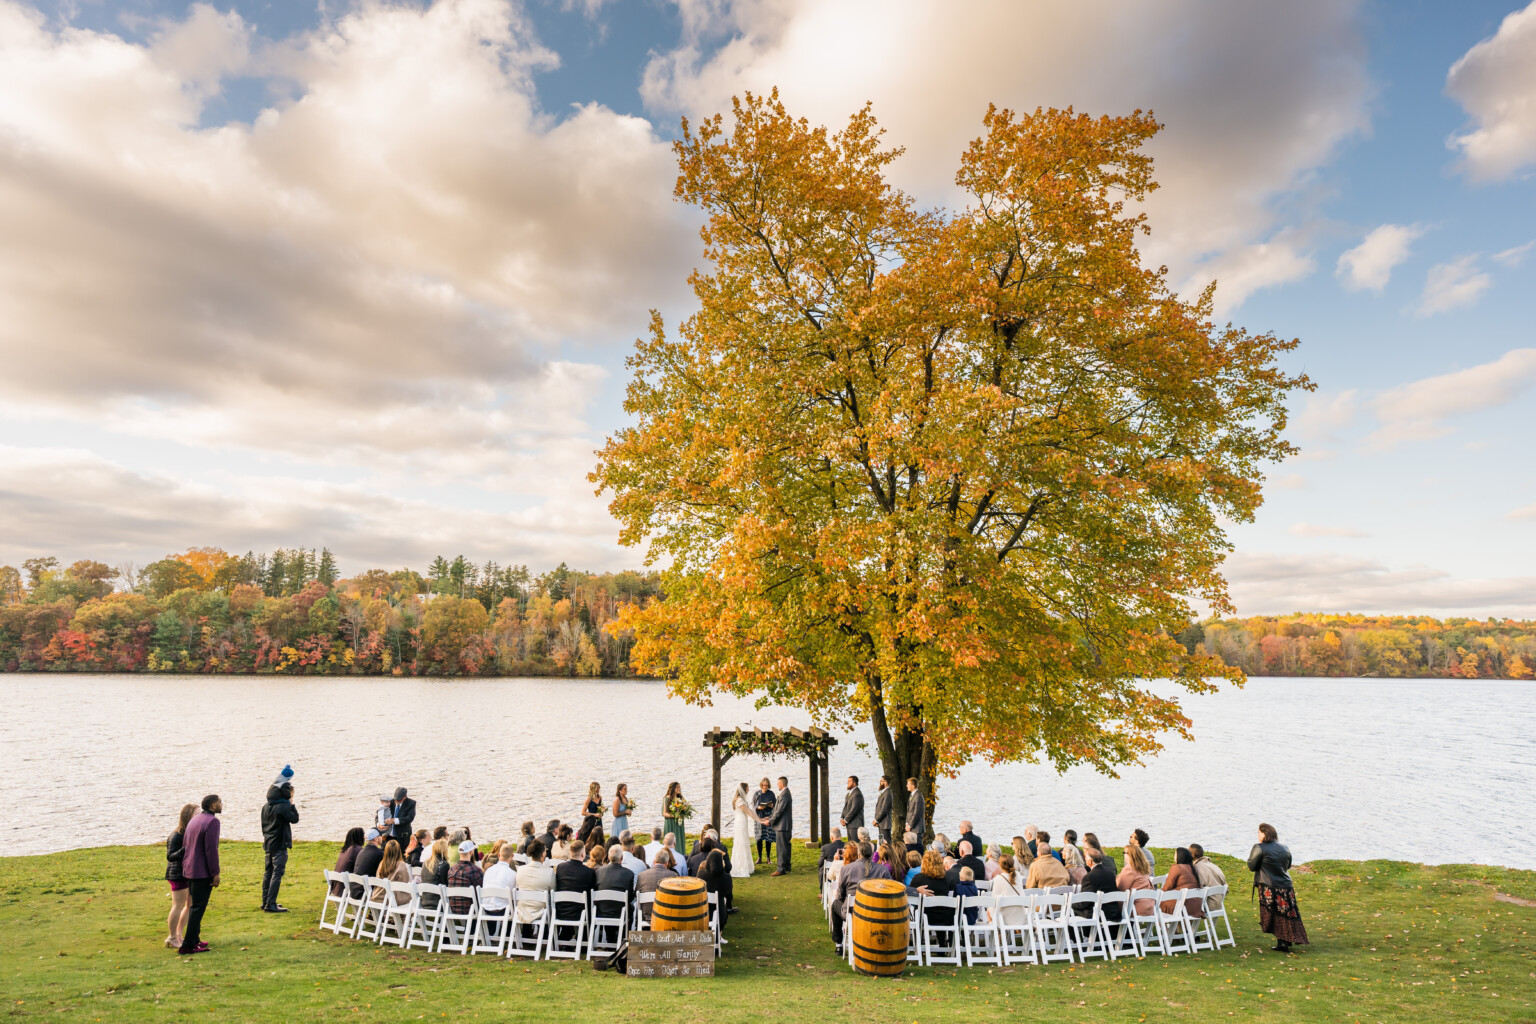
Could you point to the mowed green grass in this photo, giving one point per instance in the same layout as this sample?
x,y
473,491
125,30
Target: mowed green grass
x,y
80,939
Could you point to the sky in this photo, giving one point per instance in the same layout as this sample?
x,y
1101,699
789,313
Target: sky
x,y
364,275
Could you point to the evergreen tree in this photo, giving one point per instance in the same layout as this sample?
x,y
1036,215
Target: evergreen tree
x,y
326,571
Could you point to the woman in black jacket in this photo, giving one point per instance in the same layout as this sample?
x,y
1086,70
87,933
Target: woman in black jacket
x,y
717,879
1278,913
181,903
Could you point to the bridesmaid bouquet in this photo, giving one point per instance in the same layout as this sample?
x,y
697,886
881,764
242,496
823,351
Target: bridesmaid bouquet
x,y
681,809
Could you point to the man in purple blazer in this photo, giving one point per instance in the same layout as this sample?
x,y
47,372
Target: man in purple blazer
x,y
200,867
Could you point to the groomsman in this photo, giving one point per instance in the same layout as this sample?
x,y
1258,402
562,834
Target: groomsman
x,y
853,808
916,818
883,809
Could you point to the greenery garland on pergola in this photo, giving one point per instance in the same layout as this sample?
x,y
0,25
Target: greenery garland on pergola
x,y
815,745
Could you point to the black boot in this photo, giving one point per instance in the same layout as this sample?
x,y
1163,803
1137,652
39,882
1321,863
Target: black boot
x,y
1281,946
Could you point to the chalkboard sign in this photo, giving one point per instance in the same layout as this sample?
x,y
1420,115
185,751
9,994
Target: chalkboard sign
x,y
671,955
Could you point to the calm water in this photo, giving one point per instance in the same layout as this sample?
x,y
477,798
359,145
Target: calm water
x,y
1430,771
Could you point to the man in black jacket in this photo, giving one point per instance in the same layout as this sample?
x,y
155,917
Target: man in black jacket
x,y
1101,878
403,810
368,859
830,852
966,836
548,838
278,816
573,876
967,859
615,876
701,853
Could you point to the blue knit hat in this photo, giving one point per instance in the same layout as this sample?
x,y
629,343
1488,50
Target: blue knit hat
x,y
285,776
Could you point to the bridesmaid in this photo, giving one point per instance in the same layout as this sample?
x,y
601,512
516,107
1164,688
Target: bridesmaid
x,y
621,808
674,823
591,813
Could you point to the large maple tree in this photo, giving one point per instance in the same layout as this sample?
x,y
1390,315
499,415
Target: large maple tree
x,y
956,474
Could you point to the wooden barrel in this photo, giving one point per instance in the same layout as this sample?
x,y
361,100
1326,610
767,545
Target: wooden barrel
x,y
880,928
682,905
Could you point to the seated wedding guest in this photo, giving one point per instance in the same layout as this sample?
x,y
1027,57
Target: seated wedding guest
x,y
1023,856
393,868
940,844
1006,883
994,855
455,839
1141,840
1137,874
572,875
615,874
651,878
653,847
1101,878
525,836
434,871
965,885
879,864
835,868
441,832
914,867
701,851
967,859
348,855
830,852
494,855
1072,860
368,859
534,876
1182,876
547,837
1091,840
465,874
561,851
421,841
669,845
633,858
854,869
1030,831
1042,836
930,881
1046,872
968,835
716,876
1209,873
1069,838
500,875
475,855
597,855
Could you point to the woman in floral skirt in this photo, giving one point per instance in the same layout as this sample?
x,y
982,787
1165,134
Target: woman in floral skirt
x,y
1278,913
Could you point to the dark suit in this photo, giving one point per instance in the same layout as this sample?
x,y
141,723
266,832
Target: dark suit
x,y
829,853
1101,878
977,866
783,822
573,876
697,859
976,848
616,877
916,814
548,839
847,884
853,812
404,814
882,819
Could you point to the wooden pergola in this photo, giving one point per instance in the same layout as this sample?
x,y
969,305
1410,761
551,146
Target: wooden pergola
x,y
821,744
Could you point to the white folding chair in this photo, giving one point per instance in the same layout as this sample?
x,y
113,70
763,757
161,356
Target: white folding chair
x,y
643,903
1158,880
983,885
714,921
1053,933
1121,933
941,942
1148,924
1218,893
370,921
456,928
1178,926
568,936
1199,933
520,943
519,859
351,915
608,931
979,939
335,896
427,919
914,930
398,913
491,925
1089,938
1015,938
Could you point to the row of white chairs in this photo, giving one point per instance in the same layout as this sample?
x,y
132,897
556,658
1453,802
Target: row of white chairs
x,y
1044,926
394,913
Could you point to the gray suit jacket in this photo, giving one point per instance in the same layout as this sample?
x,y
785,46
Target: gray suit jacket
x,y
915,813
883,808
853,812
783,817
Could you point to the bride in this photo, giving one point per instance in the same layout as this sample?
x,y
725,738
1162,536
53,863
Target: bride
x,y
741,834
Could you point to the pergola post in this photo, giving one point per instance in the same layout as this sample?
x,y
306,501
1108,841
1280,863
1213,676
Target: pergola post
x,y
714,791
826,800
815,765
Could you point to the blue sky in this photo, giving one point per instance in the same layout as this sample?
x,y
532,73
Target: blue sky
x,y
365,274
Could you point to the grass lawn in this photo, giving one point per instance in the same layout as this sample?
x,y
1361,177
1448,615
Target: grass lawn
x,y
80,938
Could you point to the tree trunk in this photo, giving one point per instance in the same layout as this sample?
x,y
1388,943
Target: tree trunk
x,y
906,755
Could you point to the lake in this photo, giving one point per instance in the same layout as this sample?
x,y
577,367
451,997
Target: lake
x,y
1425,770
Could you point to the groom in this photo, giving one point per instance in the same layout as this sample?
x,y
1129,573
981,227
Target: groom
x,y
783,822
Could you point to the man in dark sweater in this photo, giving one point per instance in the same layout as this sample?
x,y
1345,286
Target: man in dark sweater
x,y
278,816
966,836
967,859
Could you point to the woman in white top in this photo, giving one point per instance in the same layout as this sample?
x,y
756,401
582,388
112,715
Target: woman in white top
x,y
741,833
1005,883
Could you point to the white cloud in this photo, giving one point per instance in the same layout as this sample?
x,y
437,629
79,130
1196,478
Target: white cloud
x,y
1272,584
1449,285
1314,530
1326,416
1418,411
1495,83
1256,96
1527,512
1514,256
1369,265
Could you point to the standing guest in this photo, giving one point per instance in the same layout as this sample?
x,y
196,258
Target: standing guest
x,y
384,818
347,858
200,868
968,835
916,811
1137,874
1101,878
402,813
1209,873
855,869
1142,839
853,807
1182,876
278,816
525,836
1072,860
882,818
392,869
1046,872
177,918
762,807
368,860
421,841
672,808
534,876
591,814
717,879
499,875
465,874
1270,862
783,822
622,806
548,836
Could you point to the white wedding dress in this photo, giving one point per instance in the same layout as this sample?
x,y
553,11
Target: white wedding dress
x,y
741,840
